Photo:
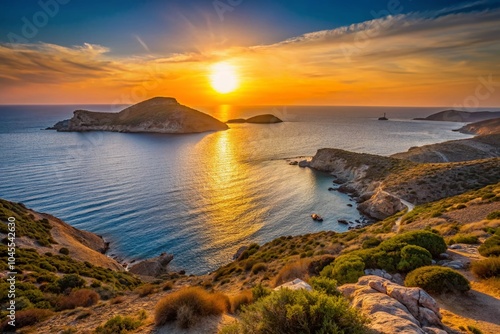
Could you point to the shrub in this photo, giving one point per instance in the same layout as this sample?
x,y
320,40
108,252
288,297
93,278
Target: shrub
x,y
487,268
64,251
490,247
300,311
325,285
259,291
258,267
413,257
493,215
26,318
316,265
77,298
243,298
474,330
118,325
292,271
145,290
198,301
464,239
371,242
432,242
70,281
437,279
345,269
168,286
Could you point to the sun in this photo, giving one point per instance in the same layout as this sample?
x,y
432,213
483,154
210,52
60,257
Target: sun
x,y
223,78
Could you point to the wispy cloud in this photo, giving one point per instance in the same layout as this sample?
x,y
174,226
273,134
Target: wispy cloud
x,y
405,59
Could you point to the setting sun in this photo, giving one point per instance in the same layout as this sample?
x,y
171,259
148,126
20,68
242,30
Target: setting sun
x,y
223,78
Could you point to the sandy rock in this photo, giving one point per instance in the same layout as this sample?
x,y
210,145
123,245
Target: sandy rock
x,y
296,284
381,205
394,308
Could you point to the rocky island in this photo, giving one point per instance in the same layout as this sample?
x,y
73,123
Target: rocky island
x,y
461,116
156,115
259,119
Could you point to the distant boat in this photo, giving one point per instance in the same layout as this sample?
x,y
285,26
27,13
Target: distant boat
x,y
316,217
384,118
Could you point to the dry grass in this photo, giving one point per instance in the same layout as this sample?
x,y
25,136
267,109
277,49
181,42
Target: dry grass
x,y
77,298
291,271
188,305
243,298
145,290
26,318
487,268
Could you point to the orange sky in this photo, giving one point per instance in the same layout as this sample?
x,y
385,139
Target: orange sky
x,y
395,61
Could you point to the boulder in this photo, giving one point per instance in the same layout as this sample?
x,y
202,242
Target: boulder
x,y
393,308
296,284
304,163
152,267
381,205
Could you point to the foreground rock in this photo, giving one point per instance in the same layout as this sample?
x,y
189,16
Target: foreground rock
x,y
461,116
488,127
157,115
153,267
260,119
393,308
481,147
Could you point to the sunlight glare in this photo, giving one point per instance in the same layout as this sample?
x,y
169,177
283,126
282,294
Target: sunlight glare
x,y
223,78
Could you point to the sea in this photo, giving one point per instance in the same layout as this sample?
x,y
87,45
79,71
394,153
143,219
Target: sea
x,y
197,196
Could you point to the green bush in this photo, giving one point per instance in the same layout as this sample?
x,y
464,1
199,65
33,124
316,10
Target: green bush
x,y
118,325
413,257
325,285
64,251
432,242
437,279
490,247
464,239
70,281
493,215
345,269
487,268
299,311
371,242
259,291
258,267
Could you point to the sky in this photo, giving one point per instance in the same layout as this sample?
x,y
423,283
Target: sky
x,y
391,52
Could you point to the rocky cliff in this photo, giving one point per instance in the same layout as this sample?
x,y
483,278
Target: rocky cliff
x,y
158,115
481,147
488,127
461,116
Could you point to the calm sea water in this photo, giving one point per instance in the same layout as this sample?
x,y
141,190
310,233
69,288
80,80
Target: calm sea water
x,y
198,196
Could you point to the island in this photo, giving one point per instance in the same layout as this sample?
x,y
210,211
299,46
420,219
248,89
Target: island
x,y
156,115
259,119
461,116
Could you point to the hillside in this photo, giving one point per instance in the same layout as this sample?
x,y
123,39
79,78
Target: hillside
x,y
461,116
157,115
306,256
380,183
480,147
487,127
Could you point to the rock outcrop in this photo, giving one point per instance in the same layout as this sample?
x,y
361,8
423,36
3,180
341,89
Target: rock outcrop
x,y
461,116
260,119
296,284
381,205
481,147
393,308
488,127
153,267
157,115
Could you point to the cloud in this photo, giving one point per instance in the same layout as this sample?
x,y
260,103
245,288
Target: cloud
x,y
364,62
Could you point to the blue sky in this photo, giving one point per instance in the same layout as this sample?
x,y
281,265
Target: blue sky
x,y
179,26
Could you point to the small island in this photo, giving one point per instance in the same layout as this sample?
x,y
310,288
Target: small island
x,y
260,119
460,116
156,115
